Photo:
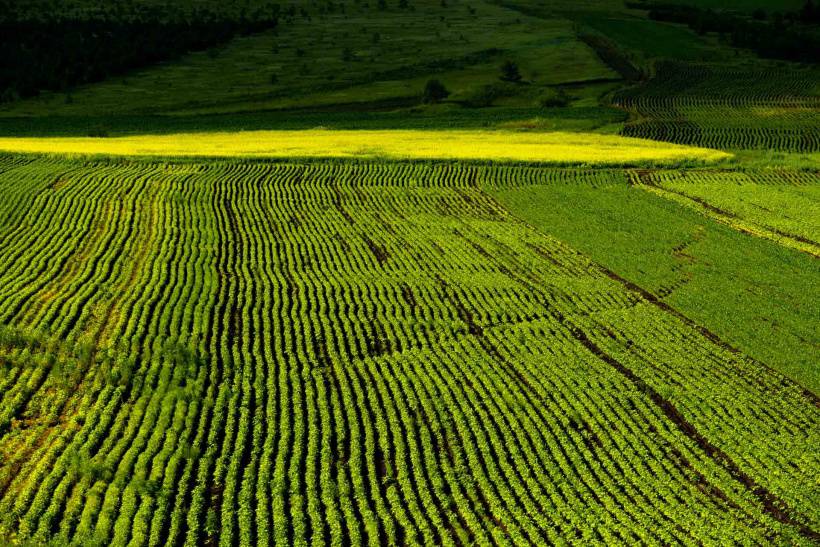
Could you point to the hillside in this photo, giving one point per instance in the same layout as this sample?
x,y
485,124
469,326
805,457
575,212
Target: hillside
x,y
409,272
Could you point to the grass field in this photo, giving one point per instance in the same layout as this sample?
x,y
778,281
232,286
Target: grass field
x,y
270,293
583,119
504,146
320,61
651,39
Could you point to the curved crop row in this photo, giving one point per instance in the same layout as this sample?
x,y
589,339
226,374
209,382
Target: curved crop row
x,y
257,353
761,202
725,108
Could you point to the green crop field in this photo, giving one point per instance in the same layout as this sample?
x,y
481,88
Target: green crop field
x,y
287,345
734,108
699,259
409,272
782,205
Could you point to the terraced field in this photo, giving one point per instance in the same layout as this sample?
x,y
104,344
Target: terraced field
x,y
726,107
246,352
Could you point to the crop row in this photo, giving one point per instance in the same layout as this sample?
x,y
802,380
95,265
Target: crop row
x,y
733,86
754,138
760,202
255,353
725,108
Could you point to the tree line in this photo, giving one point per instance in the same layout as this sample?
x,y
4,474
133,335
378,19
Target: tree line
x,y
56,54
790,36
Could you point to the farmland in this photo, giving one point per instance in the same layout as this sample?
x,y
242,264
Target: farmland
x,y
762,203
297,315
424,272
552,147
752,285
741,108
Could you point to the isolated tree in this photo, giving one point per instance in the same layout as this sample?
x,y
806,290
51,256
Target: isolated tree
x,y
510,72
809,13
701,25
434,92
553,98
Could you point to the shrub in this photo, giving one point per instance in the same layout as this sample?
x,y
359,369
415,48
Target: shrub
x,y
488,94
98,131
9,95
434,92
510,72
553,98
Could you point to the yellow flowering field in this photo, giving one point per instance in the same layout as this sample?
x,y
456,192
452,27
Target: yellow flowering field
x,y
556,147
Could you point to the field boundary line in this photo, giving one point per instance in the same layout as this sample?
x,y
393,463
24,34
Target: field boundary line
x,y
657,301
772,504
703,207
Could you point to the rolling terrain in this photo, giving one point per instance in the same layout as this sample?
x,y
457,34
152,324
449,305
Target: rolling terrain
x,y
275,290
281,348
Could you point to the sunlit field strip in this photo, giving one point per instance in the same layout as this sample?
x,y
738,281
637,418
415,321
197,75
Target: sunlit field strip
x,y
558,148
779,205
